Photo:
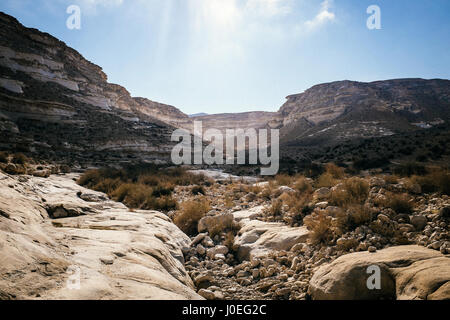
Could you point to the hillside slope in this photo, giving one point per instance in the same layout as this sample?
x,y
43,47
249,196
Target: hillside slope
x,y
57,105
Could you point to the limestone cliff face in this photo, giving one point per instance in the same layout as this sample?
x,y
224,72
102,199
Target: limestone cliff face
x,y
50,95
245,120
346,109
165,113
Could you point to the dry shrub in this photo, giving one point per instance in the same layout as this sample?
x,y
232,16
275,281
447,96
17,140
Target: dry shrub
x,y
149,180
228,201
19,158
163,190
218,229
391,179
283,180
353,191
302,185
326,226
196,190
141,186
335,171
3,157
107,185
190,214
142,197
359,215
296,202
400,203
276,208
229,241
250,188
267,192
165,203
326,180
438,180
320,226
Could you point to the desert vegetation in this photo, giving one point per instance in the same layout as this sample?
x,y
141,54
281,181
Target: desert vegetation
x,y
142,186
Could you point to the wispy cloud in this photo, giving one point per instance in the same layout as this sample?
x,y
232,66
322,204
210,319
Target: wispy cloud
x,y
324,16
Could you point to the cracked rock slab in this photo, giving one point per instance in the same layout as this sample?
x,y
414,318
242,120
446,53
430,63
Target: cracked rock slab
x,y
106,253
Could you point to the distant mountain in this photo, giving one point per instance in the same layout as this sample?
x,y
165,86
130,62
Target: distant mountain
x,y
245,120
198,115
57,105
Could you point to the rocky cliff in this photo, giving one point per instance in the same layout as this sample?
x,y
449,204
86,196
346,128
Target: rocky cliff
x,y
345,110
245,120
58,105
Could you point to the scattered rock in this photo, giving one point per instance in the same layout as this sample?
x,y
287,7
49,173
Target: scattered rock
x,y
322,193
372,249
419,222
207,294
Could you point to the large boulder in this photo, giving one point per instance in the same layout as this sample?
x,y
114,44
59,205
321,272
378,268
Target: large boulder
x,y
110,253
257,238
251,213
406,272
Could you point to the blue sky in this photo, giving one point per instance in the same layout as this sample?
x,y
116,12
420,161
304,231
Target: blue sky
x,y
220,56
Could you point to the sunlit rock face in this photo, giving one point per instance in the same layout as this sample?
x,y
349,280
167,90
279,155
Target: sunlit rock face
x,y
61,241
51,96
346,110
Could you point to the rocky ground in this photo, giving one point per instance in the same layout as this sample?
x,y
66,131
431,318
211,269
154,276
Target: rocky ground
x,y
247,247
268,258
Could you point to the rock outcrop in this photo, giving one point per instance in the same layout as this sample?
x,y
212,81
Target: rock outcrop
x,y
345,110
407,273
245,120
258,238
57,105
61,241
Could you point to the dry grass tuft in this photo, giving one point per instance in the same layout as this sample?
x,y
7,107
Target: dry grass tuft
x,y
302,185
335,171
353,191
326,180
3,157
400,203
141,187
19,158
276,208
320,225
437,180
190,214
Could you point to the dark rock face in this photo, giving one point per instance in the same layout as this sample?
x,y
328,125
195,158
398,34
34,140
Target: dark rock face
x,y
57,105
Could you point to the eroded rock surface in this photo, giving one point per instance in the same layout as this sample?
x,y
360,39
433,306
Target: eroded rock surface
x,y
257,238
117,254
407,272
